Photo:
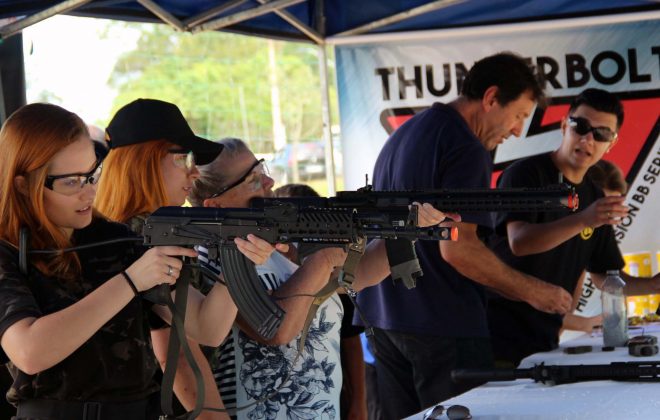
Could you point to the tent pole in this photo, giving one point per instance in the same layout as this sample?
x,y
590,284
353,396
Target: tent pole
x,y
399,17
162,14
325,101
325,115
226,21
211,13
296,23
63,7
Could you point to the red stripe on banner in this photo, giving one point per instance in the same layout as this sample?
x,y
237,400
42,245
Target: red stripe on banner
x,y
640,117
554,114
397,121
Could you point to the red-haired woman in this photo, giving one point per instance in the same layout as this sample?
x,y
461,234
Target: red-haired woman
x,y
74,335
152,164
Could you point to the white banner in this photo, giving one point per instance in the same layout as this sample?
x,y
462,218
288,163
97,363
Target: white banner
x,y
383,81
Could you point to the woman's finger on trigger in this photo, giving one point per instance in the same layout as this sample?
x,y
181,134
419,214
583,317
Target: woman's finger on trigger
x,y
259,243
282,247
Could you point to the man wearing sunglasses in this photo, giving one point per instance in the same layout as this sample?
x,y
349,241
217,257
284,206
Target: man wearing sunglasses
x,y
557,247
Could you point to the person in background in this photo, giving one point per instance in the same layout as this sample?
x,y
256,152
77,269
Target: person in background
x,y
423,333
609,178
73,325
152,163
98,137
569,242
353,397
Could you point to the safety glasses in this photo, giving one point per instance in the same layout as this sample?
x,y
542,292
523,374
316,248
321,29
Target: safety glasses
x,y
252,178
582,127
183,159
71,184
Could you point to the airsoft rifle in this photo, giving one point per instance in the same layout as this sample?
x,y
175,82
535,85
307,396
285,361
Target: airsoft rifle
x,y
558,374
347,220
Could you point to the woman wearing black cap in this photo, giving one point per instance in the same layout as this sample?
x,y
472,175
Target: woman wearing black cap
x,y
73,331
151,164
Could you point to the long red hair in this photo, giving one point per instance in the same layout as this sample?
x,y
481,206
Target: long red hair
x,y
132,181
29,139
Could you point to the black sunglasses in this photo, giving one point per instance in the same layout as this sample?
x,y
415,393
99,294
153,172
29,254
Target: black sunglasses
x,y
70,184
583,127
240,180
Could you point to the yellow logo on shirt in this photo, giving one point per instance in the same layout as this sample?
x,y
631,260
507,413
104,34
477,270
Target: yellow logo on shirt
x,y
586,233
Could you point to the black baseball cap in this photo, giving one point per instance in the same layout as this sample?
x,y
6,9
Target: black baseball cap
x,y
151,119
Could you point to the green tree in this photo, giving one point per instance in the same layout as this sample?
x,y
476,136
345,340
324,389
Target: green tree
x,y
220,81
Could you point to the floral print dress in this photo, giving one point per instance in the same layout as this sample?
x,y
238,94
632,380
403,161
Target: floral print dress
x,y
247,371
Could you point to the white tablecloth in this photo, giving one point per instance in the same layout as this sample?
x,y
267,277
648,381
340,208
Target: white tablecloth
x,y
524,399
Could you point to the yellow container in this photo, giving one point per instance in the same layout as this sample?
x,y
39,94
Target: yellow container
x,y
639,265
654,302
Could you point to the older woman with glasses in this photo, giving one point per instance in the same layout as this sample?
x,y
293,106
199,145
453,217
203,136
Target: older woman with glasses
x,y
152,163
266,378
73,331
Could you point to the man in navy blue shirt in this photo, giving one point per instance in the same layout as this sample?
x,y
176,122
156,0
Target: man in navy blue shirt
x,y
423,333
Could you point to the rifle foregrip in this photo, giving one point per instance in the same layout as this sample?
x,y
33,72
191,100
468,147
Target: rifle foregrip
x,y
403,261
247,292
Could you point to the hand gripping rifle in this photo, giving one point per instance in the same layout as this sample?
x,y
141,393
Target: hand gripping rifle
x,y
215,229
558,374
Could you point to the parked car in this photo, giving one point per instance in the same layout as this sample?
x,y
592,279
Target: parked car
x,y
309,158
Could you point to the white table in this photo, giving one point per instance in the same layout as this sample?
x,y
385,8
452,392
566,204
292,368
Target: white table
x,y
525,399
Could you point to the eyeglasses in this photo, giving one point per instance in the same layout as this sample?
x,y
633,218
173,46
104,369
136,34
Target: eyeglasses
x,y
71,184
582,127
455,412
183,159
252,178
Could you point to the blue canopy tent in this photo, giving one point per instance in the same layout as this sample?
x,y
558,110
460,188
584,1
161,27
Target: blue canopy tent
x,y
316,21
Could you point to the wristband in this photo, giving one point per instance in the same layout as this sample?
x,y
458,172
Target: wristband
x,y
130,282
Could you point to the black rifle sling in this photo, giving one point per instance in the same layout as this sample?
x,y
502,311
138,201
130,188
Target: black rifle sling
x,y
177,341
23,242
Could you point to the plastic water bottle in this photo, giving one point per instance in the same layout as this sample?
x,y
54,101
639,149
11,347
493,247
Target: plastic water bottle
x,y
615,320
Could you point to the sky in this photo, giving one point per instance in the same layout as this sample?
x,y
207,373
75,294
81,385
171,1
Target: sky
x,y
66,56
